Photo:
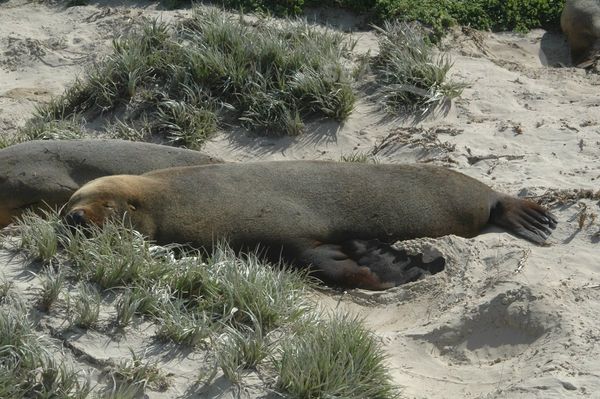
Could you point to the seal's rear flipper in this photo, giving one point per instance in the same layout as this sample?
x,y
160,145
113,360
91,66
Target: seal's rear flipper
x,y
524,218
371,264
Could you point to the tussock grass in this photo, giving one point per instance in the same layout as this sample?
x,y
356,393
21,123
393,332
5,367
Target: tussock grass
x,y
116,256
27,369
360,157
181,81
62,129
242,348
39,240
250,314
52,282
338,358
6,289
182,325
84,308
138,373
413,76
135,300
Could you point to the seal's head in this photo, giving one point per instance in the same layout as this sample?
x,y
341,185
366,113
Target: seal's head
x,y
112,197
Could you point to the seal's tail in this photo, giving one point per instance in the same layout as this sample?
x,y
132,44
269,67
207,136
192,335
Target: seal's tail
x,y
524,218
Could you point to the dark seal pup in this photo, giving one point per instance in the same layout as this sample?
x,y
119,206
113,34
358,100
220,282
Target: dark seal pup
x,y
40,172
332,217
580,21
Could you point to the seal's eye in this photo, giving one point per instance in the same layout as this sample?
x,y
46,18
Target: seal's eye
x,y
131,207
108,205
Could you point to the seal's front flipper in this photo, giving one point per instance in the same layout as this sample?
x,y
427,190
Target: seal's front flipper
x,y
524,218
371,264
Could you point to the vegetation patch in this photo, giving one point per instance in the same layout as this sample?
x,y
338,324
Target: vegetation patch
x,y
178,83
410,72
248,315
181,81
497,15
27,368
339,358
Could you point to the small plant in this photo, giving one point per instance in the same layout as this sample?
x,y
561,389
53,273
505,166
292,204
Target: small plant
x,y
38,235
63,129
139,374
337,358
183,326
185,124
115,256
409,71
84,309
6,287
134,301
125,131
27,369
122,391
242,348
359,157
273,295
52,284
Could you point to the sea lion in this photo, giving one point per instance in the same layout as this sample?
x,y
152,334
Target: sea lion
x,y
335,218
580,21
36,173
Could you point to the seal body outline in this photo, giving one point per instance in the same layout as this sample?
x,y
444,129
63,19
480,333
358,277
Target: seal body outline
x,y
335,218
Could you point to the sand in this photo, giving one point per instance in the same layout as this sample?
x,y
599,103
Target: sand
x,y
506,319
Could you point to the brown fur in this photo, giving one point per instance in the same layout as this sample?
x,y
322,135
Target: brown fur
x,y
580,21
37,174
331,216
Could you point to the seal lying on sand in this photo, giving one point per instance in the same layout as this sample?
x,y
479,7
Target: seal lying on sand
x,y
580,21
35,173
332,217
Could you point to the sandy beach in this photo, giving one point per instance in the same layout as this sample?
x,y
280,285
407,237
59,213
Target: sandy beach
x,y
506,318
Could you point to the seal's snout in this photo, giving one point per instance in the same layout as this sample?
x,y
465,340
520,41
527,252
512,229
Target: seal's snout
x,y
76,218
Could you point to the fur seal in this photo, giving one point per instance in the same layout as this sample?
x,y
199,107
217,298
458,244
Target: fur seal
x,y
41,172
580,21
335,218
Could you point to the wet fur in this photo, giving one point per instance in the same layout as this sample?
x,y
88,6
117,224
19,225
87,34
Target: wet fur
x,y
337,218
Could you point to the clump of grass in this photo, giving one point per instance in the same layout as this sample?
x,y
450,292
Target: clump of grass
x,y
185,123
6,287
84,309
52,284
242,348
410,72
133,301
244,305
337,358
62,129
272,295
27,369
38,235
182,325
184,79
359,157
115,256
139,374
